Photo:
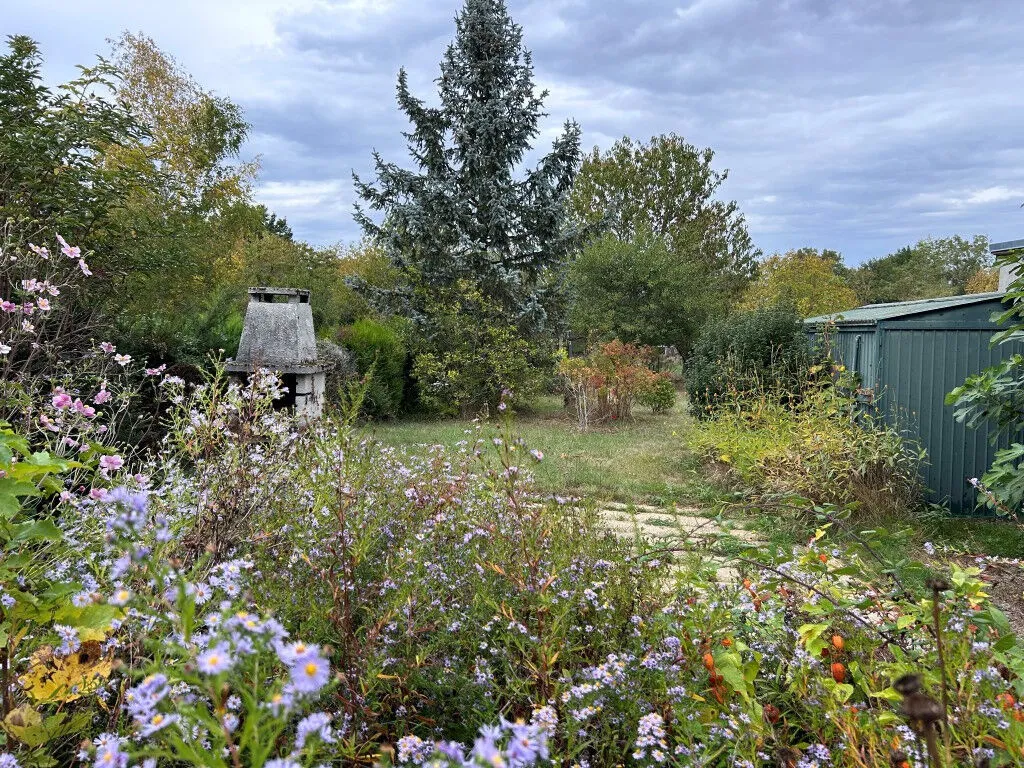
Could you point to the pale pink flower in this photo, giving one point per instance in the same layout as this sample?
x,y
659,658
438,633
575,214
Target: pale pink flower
x,y
108,463
86,410
48,423
40,251
5,349
61,400
28,307
84,267
107,347
53,290
27,327
101,397
155,371
123,360
43,304
8,306
71,251
98,494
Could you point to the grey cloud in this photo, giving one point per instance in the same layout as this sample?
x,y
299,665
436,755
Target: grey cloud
x,y
858,126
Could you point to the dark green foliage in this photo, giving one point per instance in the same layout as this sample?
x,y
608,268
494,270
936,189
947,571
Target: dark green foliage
x,y
933,267
766,349
466,212
668,188
379,352
638,291
462,367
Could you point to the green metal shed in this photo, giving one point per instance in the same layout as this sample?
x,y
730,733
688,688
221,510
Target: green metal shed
x,y
908,356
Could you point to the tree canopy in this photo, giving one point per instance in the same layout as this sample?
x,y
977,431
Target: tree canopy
x,y
465,212
668,188
804,279
932,267
637,291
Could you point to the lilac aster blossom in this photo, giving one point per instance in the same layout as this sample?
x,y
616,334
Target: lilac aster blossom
x,y
215,660
413,749
69,641
282,762
157,722
310,672
7,760
318,724
109,753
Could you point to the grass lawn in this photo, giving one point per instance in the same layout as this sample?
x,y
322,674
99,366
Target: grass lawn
x,y
645,460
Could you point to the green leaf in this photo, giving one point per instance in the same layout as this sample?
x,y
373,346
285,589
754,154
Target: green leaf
x,y
36,530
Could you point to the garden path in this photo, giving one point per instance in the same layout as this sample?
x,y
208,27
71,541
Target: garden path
x,y
677,526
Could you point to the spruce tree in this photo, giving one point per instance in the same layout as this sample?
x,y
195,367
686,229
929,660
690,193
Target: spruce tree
x,y
469,211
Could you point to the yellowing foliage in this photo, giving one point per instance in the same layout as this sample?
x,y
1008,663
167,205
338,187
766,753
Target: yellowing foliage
x,y
55,678
803,278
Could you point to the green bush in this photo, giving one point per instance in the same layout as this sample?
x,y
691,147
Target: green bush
x,y
766,349
659,394
472,354
821,447
380,351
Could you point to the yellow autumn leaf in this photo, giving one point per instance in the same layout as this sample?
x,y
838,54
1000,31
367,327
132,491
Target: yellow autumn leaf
x,y
67,678
725,457
21,723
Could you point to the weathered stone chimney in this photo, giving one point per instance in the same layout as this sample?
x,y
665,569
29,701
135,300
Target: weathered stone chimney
x,y
278,335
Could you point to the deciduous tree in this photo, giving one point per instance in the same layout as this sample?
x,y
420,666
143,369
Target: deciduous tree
x,y
805,279
668,188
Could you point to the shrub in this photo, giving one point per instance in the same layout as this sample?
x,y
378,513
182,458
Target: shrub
x,y
603,385
380,353
659,394
155,612
766,349
339,366
822,447
472,354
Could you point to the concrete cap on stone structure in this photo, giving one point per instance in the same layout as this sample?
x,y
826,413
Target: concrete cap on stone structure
x,y
277,333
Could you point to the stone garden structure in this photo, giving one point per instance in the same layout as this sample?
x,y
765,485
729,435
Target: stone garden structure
x,y
278,335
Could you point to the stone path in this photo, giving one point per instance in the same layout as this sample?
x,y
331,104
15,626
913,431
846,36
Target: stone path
x,y
675,525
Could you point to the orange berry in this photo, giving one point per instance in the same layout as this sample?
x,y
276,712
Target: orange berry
x,y
838,671
823,558
727,641
838,642
709,661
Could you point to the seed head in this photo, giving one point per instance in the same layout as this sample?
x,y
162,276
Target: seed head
x,y
788,757
907,684
922,709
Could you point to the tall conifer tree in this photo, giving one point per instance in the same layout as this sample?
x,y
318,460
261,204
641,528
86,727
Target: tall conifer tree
x,y
467,211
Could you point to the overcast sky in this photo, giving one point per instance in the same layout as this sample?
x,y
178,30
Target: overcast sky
x,y
859,126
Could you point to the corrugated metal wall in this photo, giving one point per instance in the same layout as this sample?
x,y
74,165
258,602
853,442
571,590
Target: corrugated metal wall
x,y
857,349
919,366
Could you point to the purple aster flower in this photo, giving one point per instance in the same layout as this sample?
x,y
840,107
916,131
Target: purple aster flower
x,y
69,642
7,760
109,753
215,660
526,744
310,672
318,724
156,722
